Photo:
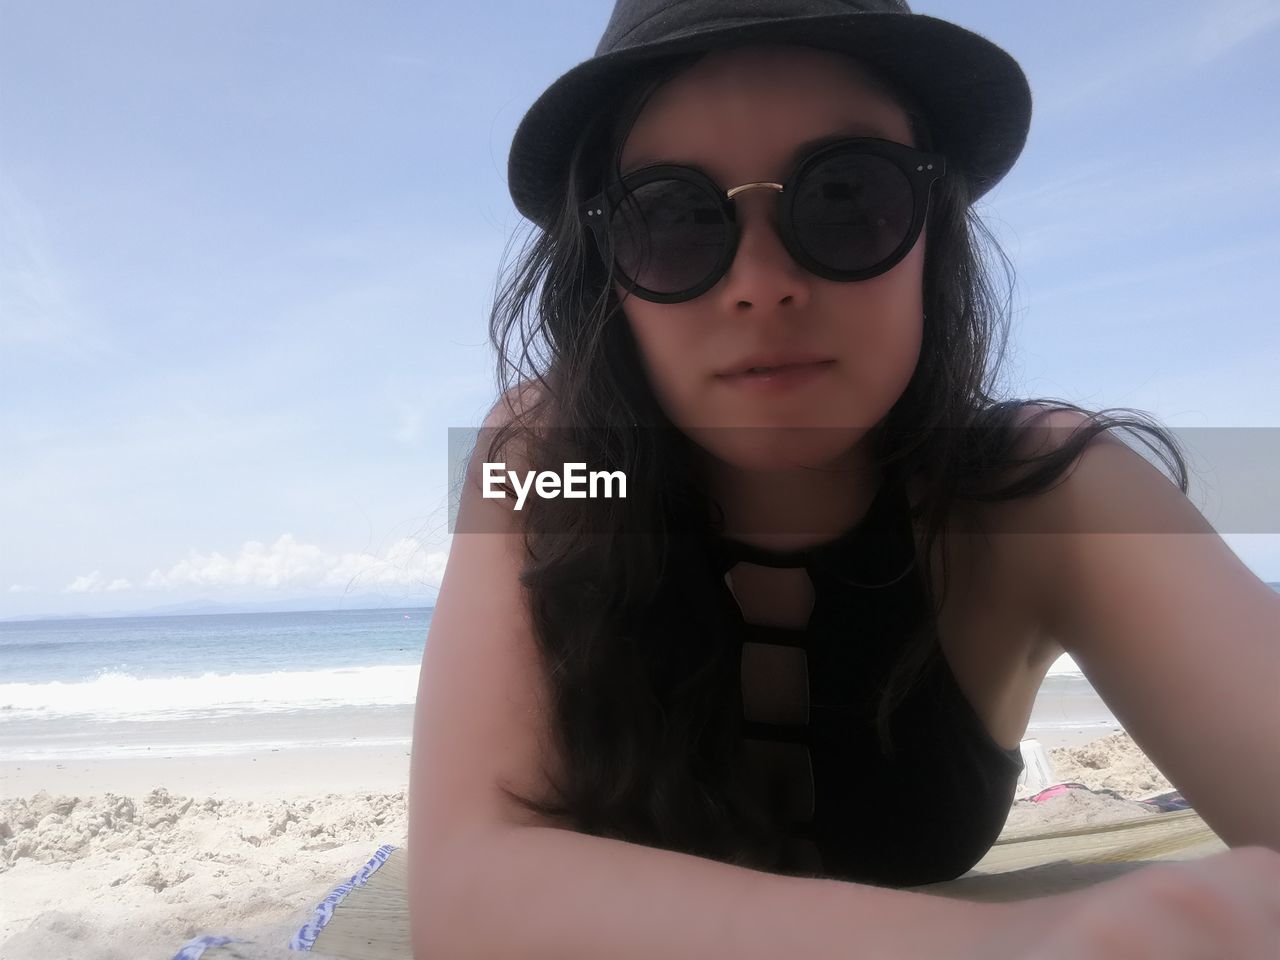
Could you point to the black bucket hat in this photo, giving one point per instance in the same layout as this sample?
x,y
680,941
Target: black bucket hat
x,y
976,96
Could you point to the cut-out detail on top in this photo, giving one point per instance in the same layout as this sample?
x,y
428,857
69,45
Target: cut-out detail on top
x,y
874,812
772,597
775,684
876,553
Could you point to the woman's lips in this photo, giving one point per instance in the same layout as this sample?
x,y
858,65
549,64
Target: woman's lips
x,y
780,378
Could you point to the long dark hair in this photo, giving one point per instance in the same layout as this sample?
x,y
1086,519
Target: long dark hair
x,y
636,698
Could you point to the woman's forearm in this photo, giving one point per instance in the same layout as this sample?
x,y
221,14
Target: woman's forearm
x,y
540,893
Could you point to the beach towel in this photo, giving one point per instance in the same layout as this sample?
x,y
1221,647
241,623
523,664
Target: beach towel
x,y
367,916
382,904
1060,788
1173,800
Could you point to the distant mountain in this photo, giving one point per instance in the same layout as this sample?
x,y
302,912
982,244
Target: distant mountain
x,y
363,601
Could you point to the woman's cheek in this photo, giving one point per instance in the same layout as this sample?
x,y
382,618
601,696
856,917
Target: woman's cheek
x,y
661,357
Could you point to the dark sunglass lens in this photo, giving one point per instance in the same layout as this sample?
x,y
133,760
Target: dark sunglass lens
x,y
668,235
851,211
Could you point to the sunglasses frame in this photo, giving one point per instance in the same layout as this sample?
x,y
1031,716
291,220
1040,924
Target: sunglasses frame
x,y
920,168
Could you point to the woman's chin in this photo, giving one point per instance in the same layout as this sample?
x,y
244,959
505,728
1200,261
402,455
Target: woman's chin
x,y
776,447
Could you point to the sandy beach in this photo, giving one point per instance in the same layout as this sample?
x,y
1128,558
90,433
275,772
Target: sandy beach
x,y
127,859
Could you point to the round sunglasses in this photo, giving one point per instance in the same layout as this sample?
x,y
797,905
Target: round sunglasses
x,y
851,210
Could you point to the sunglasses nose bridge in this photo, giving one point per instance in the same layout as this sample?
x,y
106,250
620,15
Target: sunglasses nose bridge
x,y
749,186
777,189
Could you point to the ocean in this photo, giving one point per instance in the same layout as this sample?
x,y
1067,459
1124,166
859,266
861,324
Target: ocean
x,y
232,683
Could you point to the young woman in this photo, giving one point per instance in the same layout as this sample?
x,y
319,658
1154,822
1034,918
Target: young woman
x,y
716,717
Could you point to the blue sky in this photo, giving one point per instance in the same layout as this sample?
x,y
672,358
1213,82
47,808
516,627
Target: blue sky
x,y
248,251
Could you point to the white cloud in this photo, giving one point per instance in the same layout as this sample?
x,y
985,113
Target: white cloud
x,y
94,583
19,588
284,564
91,583
288,563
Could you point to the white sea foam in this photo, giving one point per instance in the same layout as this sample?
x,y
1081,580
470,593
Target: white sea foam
x,y
121,696
96,750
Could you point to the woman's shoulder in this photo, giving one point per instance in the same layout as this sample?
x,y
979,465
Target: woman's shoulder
x,y
1037,428
522,405
518,401
1003,548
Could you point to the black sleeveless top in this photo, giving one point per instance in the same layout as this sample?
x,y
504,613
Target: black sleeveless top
x,y
924,811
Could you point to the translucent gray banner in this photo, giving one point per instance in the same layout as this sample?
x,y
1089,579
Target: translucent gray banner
x,y
1233,474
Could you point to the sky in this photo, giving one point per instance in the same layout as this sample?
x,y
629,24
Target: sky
x,y
248,252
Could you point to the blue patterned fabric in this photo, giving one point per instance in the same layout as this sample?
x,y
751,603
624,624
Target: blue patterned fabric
x,y
305,938
194,949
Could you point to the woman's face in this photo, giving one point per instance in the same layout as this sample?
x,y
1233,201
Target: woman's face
x,y
739,115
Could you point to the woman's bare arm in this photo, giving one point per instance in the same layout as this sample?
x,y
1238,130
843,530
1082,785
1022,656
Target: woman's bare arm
x,y
543,893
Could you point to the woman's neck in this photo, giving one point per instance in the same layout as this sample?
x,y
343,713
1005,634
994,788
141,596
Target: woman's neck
x,y
794,509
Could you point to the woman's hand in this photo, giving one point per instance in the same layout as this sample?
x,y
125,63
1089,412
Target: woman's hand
x,y
1221,907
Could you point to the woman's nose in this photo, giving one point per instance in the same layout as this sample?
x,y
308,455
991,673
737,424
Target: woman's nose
x,y
762,261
